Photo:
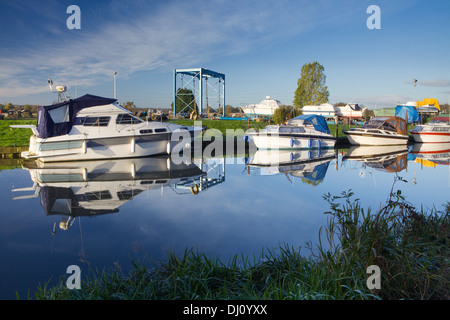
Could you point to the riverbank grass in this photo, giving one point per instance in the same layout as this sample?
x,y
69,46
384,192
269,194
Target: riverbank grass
x,y
409,247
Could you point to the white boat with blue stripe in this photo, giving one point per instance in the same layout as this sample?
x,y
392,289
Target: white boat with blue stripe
x,y
302,132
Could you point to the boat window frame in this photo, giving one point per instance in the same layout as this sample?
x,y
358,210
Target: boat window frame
x,y
131,119
101,121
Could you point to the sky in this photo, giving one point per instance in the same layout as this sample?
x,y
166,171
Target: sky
x,y
260,46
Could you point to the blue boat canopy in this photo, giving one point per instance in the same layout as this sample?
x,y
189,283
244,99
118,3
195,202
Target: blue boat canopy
x,y
319,122
57,119
407,111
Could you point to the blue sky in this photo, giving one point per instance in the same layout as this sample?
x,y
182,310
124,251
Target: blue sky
x,y
259,45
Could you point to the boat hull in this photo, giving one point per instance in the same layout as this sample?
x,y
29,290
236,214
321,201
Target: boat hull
x,y
291,142
430,137
366,139
116,147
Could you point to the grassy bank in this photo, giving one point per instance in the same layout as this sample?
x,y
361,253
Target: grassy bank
x,y
20,137
411,248
15,137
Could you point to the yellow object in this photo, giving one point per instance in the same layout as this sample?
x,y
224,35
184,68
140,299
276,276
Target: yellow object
x,y
428,102
426,163
194,189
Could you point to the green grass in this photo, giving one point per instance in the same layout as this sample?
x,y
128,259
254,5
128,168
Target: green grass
x,y
411,247
13,136
21,137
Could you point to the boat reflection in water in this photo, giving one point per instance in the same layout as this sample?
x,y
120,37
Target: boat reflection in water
x,y
92,188
432,154
393,158
310,165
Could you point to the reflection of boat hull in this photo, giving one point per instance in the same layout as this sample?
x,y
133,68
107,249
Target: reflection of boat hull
x,y
99,187
367,152
437,153
267,158
383,158
311,165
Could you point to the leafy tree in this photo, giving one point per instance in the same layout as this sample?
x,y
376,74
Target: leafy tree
x,y
185,101
282,114
311,88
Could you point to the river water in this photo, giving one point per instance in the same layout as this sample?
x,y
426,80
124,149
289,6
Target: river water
x,y
104,214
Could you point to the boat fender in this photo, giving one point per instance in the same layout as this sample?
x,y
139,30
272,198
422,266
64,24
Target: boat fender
x,y
194,189
292,156
319,144
246,139
292,144
309,143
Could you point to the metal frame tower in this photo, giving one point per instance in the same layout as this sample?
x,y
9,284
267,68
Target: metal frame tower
x,y
204,78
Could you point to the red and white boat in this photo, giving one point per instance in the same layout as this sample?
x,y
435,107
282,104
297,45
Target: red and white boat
x,y
436,131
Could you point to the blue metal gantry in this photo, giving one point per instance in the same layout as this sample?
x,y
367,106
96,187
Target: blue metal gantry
x,y
187,78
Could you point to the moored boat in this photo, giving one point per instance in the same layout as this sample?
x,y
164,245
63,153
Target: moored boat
x,y
379,131
435,131
302,132
92,127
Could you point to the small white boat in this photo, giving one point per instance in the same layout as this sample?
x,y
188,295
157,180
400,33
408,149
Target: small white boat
x,y
436,131
379,131
302,132
265,108
94,128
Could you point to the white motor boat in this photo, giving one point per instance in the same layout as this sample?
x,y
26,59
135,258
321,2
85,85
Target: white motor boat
x,y
379,131
302,132
437,130
92,127
265,108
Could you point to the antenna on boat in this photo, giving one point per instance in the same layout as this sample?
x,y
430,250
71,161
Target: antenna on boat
x,y
63,95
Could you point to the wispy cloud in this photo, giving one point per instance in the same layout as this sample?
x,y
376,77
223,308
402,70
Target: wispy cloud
x,y
438,83
146,36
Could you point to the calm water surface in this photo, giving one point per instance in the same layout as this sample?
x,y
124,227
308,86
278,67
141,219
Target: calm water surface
x,y
103,214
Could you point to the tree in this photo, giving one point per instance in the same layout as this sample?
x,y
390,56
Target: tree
x,y
185,101
282,114
311,88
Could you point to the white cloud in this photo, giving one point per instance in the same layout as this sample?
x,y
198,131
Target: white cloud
x,y
173,34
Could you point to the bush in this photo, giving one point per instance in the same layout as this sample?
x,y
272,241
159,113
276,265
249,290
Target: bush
x,y
282,114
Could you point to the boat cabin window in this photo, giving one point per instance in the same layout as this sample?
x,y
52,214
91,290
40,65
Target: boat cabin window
x,y
126,118
98,195
161,130
440,129
298,130
284,129
96,121
146,131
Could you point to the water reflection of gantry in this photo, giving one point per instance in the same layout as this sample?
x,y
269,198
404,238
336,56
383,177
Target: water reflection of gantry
x,y
214,169
190,96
